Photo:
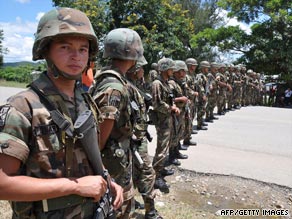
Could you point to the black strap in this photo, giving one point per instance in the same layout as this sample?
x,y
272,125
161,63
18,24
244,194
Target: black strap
x,y
57,116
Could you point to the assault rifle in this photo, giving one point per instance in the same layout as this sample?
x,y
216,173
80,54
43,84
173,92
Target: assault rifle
x,y
85,129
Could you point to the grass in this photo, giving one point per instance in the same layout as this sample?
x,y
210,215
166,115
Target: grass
x,y
5,83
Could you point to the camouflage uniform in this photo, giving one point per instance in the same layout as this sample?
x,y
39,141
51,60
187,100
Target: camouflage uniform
x,y
220,77
213,95
203,89
178,128
229,92
111,94
38,143
161,106
143,173
237,87
190,89
29,134
161,116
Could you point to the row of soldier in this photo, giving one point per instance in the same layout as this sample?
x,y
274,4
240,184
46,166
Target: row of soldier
x,y
183,91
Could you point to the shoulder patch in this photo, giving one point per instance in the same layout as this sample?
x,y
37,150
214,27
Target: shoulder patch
x,y
4,109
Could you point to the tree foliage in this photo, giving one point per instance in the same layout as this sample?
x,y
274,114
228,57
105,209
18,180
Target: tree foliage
x,y
270,41
2,49
165,26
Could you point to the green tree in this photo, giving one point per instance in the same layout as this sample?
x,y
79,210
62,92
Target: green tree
x,y
270,42
2,49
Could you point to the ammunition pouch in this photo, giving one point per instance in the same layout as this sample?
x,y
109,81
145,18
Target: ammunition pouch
x,y
115,156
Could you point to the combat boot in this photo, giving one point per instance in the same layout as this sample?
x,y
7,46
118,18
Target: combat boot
x,y
161,185
202,128
181,156
150,211
189,142
172,158
138,205
166,172
183,147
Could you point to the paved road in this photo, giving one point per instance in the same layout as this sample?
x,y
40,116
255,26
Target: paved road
x,y
253,142
6,92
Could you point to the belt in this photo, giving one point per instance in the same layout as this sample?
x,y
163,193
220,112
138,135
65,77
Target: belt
x,y
60,202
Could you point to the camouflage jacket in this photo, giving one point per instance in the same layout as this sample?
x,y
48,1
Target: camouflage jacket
x,y
201,82
178,91
29,134
110,93
162,97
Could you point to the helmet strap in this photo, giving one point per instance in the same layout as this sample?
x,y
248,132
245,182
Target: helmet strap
x,y
57,72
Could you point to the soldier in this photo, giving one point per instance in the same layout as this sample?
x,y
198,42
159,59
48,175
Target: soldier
x,y
177,86
223,86
153,73
229,92
143,172
237,87
244,78
213,92
44,168
203,90
163,107
123,47
192,95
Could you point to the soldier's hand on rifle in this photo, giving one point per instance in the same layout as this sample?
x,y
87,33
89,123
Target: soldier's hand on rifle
x,y
117,192
91,186
175,110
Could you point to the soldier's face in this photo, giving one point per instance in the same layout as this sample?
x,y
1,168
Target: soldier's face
x,y
70,54
192,68
170,72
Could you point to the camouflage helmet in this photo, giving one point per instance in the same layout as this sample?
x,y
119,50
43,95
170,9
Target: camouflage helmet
x,y
165,63
123,43
222,65
191,61
63,22
154,65
249,71
141,62
180,65
205,64
214,65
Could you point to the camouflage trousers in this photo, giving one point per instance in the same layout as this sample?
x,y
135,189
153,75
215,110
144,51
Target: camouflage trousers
x,y
221,101
127,209
189,118
237,92
212,101
143,174
201,112
178,128
163,129
229,99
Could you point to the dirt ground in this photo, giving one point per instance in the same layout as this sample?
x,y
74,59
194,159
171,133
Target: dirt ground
x,y
201,196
